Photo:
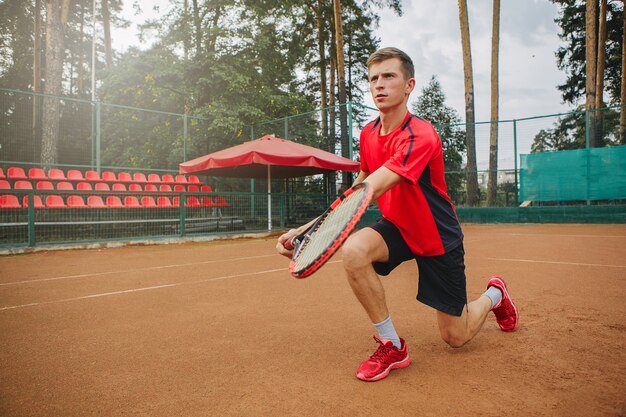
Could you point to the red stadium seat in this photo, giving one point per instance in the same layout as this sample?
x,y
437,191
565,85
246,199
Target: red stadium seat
x,y
114,201
148,202
134,187
75,201
64,185
168,178
164,202
165,187
45,185
181,179
56,174
179,188
193,202
206,189
38,203
84,186
193,179
2,173
92,176
95,201
208,202
16,173
9,201
102,186
4,185
150,187
23,185
139,177
124,177
55,201
109,176
75,175
37,174
131,202
154,178
119,187
176,202
221,202
193,189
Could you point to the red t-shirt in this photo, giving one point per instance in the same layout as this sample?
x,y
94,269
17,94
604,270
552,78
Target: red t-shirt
x,y
419,206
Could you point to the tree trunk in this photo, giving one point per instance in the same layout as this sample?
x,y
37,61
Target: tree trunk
x,y
471,169
321,45
186,32
106,23
602,33
80,88
492,185
590,62
36,69
622,115
322,55
341,80
56,12
197,23
332,122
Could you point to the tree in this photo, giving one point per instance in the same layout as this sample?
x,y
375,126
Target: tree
x,y
472,175
493,137
591,59
56,20
341,80
622,119
431,105
571,57
569,132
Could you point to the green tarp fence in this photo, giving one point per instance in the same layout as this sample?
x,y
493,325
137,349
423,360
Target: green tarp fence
x,y
583,174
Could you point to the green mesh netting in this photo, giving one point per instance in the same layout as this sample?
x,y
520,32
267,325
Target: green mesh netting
x,y
584,174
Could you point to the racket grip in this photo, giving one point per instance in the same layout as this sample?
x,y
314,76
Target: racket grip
x,y
293,243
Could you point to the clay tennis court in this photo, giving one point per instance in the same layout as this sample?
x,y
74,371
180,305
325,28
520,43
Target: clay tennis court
x,y
220,329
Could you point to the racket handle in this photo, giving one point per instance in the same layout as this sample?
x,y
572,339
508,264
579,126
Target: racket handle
x,y
293,243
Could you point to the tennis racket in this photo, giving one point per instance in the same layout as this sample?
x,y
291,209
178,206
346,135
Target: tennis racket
x,y
315,246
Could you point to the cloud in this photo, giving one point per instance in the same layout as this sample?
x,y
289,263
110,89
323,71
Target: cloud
x,y
429,32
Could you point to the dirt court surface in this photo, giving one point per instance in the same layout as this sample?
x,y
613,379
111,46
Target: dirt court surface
x,y
221,329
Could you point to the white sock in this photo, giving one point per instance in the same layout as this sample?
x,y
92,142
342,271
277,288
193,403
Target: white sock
x,y
494,294
387,331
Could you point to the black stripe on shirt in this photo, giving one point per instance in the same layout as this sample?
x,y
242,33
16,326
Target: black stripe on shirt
x,y
408,152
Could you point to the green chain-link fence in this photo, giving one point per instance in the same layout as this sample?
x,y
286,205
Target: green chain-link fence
x,y
102,136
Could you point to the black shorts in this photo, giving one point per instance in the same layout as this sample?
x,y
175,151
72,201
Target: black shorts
x,y
441,283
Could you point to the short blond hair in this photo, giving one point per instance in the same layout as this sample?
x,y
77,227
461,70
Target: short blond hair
x,y
383,54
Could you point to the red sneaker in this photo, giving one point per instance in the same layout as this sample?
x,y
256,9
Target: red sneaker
x,y
505,311
386,358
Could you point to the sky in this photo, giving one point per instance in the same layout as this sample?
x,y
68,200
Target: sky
x,y
429,32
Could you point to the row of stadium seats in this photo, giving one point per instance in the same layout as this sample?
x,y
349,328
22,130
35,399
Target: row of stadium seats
x,y
102,186
9,201
54,174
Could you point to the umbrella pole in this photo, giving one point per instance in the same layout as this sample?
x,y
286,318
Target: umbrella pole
x,y
269,199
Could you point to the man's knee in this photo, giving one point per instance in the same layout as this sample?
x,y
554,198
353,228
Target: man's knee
x,y
453,337
355,254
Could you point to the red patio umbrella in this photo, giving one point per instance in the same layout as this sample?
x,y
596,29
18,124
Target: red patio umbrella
x,y
269,157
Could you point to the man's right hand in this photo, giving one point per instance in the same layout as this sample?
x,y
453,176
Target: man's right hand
x,y
283,246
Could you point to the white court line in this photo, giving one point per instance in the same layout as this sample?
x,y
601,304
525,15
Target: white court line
x,y
149,268
556,262
549,234
133,290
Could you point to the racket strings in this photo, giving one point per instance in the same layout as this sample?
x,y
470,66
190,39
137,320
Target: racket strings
x,y
329,229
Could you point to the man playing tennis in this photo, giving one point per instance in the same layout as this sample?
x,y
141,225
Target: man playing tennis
x,y
402,160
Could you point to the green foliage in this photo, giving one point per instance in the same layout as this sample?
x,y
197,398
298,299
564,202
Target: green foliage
x,y
571,56
431,105
569,132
